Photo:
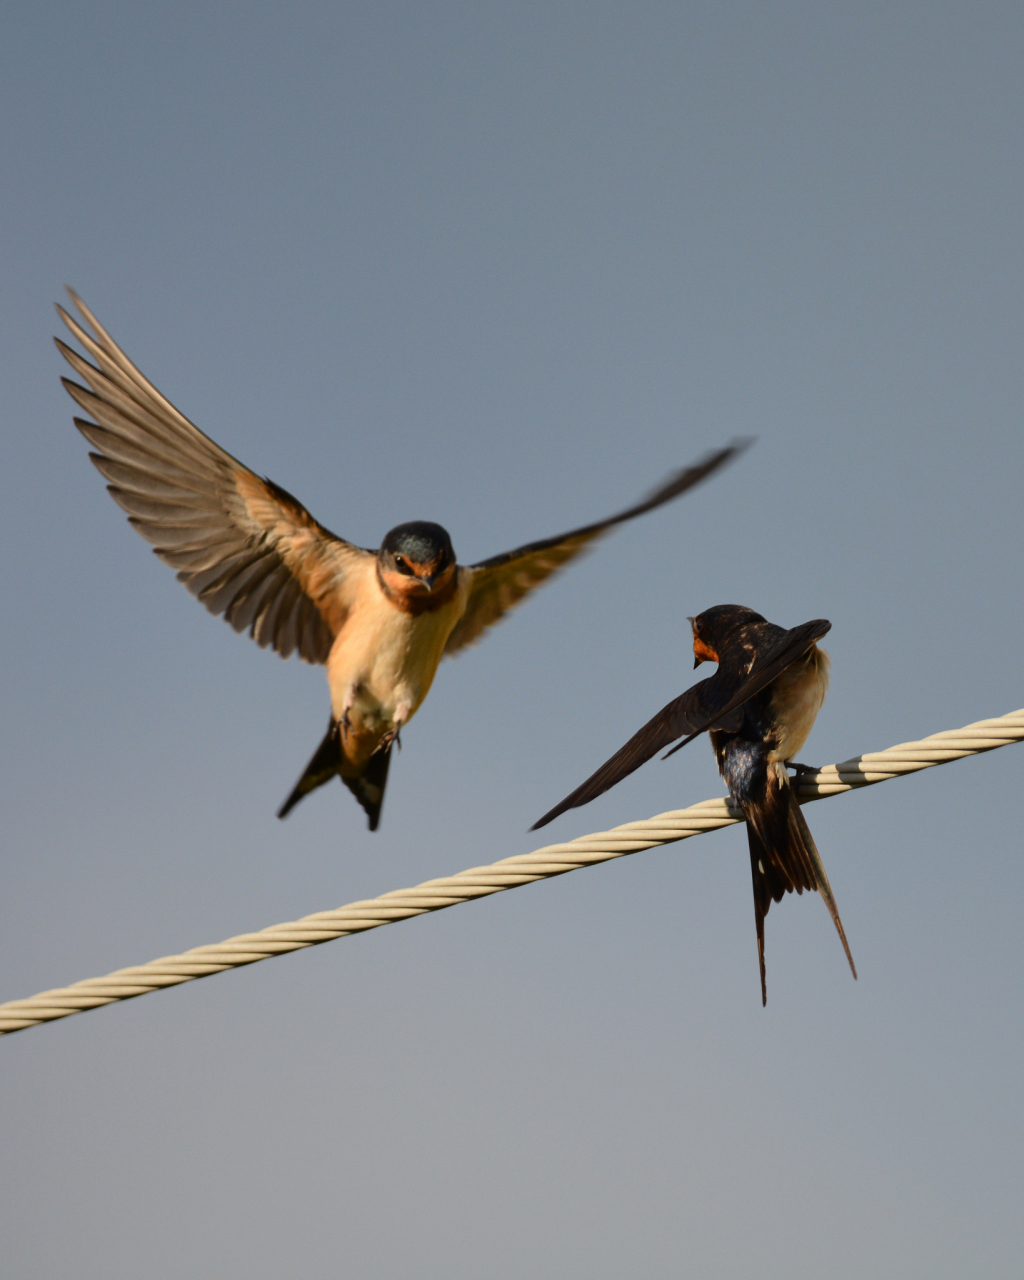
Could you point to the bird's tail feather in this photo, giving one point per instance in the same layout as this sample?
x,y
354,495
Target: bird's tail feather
x,y
799,831
325,763
784,859
767,886
369,787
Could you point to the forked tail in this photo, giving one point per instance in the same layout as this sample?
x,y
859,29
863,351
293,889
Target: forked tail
x,y
368,787
324,765
784,859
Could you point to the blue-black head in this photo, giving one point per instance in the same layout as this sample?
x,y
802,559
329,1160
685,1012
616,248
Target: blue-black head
x,y
713,628
420,551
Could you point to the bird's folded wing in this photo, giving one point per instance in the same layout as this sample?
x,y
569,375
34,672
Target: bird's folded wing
x,y
792,646
679,716
242,545
497,585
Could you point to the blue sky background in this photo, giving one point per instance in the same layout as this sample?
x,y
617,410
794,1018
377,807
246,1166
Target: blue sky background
x,y
504,267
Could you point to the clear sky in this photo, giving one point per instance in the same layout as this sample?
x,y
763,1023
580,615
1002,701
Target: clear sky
x,y
504,267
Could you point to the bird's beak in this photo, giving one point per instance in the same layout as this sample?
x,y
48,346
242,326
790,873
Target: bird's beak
x,y
428,581
696,661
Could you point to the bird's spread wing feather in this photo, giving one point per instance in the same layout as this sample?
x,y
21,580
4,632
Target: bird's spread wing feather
x,y
679,716
244,546
791,646
708,704
497,585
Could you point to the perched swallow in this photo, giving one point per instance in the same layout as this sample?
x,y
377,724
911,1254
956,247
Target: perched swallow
x,y
759,707
379,620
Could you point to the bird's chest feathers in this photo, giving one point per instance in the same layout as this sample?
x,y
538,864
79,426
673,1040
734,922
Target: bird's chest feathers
x,y
796,699
385,657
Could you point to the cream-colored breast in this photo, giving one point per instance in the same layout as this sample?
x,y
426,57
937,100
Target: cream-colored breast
x,y
797,696
384,658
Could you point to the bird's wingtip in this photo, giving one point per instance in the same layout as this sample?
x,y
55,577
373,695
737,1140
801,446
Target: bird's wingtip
x,y
550,816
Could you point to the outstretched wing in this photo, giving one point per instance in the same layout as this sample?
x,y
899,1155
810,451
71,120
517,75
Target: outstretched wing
x,y
681,715
498,584
791,647
242,545
703,706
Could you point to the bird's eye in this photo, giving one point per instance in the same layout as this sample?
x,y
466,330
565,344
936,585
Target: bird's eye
x,y
400,563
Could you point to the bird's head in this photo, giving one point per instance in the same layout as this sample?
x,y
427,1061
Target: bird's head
x,y
713,628
416,559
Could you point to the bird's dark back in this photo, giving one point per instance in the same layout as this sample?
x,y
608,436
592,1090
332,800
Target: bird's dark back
x,y
741,750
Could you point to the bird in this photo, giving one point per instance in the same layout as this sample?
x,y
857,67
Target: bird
x,y
759,708
380,621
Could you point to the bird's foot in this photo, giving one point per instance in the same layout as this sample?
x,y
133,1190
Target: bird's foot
x,y
344,725
801,770
393,738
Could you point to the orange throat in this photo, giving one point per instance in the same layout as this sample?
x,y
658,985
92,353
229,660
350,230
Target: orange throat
x,y
702,651
409,594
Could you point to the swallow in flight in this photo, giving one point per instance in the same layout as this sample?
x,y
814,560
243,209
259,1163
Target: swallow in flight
x,y
379,620
759,707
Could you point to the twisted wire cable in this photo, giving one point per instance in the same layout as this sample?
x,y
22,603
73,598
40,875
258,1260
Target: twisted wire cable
x,y
509,873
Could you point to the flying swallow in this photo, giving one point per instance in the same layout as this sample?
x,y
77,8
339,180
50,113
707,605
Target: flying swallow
x,y
758,707
379,620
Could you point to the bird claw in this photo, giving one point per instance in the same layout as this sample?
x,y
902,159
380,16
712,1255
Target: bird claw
x,y
393,738
801,770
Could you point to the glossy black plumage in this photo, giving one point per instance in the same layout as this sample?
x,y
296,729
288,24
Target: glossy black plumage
x,y
759,707
716,701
